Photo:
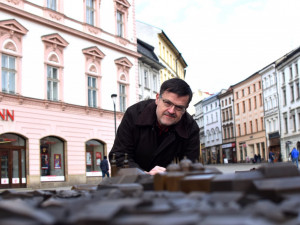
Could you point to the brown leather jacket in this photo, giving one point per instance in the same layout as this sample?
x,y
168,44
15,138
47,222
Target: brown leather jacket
x,y
137,136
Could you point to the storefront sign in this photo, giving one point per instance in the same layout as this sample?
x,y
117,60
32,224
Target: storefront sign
x,y
5,114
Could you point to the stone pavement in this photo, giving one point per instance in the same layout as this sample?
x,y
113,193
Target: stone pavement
x,y
233,167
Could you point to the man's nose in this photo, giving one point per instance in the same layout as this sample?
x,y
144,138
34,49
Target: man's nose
x,y
172,109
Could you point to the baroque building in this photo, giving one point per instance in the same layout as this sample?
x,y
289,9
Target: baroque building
x,y
61,61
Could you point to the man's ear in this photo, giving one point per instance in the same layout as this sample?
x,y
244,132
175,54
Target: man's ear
x,y
157,98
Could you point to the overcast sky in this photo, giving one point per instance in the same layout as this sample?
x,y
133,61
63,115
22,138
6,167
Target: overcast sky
x,y
225,41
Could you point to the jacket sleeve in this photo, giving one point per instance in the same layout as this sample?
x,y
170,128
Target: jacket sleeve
x,y
192,144
124,141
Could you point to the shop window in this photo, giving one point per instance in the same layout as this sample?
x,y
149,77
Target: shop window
x,y
94,154
12,161
52,159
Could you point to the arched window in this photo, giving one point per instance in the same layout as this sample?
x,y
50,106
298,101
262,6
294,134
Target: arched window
x,y
52,159
54,46
123,67
94,151
11,37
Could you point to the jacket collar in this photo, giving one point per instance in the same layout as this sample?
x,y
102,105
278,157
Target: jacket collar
x,y
147,117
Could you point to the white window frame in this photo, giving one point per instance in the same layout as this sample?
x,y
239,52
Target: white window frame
x,y
90,12
120,24
122,97
8,74
52,4
51,81
92,91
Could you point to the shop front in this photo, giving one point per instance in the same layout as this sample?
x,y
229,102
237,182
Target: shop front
x,y
229,153
12,161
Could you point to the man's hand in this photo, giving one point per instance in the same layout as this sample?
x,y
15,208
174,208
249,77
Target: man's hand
x,y
156,169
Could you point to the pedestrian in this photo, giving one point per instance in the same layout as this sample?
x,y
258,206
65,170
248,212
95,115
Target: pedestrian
x,y
104,167
294,156
156,131
271,156
279,157
259,157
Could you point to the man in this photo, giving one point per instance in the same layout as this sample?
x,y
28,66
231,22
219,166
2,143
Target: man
x,y
154,132
294,156
104,167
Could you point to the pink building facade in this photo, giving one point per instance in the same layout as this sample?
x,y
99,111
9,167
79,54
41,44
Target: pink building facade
x,y
60,63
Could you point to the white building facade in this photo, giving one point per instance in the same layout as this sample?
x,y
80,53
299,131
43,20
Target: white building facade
x,y
60,63
289,102
212,128
271,108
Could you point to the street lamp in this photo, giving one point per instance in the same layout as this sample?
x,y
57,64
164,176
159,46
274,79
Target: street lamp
x,y
114,97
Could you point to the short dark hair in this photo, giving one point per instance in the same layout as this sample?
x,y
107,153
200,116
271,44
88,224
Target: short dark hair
x,y
105,157
177,86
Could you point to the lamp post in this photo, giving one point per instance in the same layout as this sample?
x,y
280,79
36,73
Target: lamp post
x,y
114,97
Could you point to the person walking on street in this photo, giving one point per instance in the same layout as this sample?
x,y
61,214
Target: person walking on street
x,y
271,156
104,167
294,156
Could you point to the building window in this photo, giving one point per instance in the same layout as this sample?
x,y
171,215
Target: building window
x,y
90,12
122,92
245,128
262,123
92,91
237,95
239,130
155,83
8,74
251,127
146,78
254,87
260,100
283,78
296,70
284,97
54,46
94,151
256,124
249,104
249,90
120,24
237,109
285,123
259,84
297,90
243,93
52,83
292,92
52,159
244,107
255,102
294,122
51,4
291,73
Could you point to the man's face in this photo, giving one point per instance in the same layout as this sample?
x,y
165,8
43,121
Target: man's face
x,y
170,108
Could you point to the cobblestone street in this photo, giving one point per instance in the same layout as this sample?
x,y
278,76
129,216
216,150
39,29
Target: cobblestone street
x,y
232,167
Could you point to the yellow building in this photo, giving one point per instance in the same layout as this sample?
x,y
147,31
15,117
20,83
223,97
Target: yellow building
x,y
166,51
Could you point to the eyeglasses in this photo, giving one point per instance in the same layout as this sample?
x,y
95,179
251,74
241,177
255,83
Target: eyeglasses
x,y
168,104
